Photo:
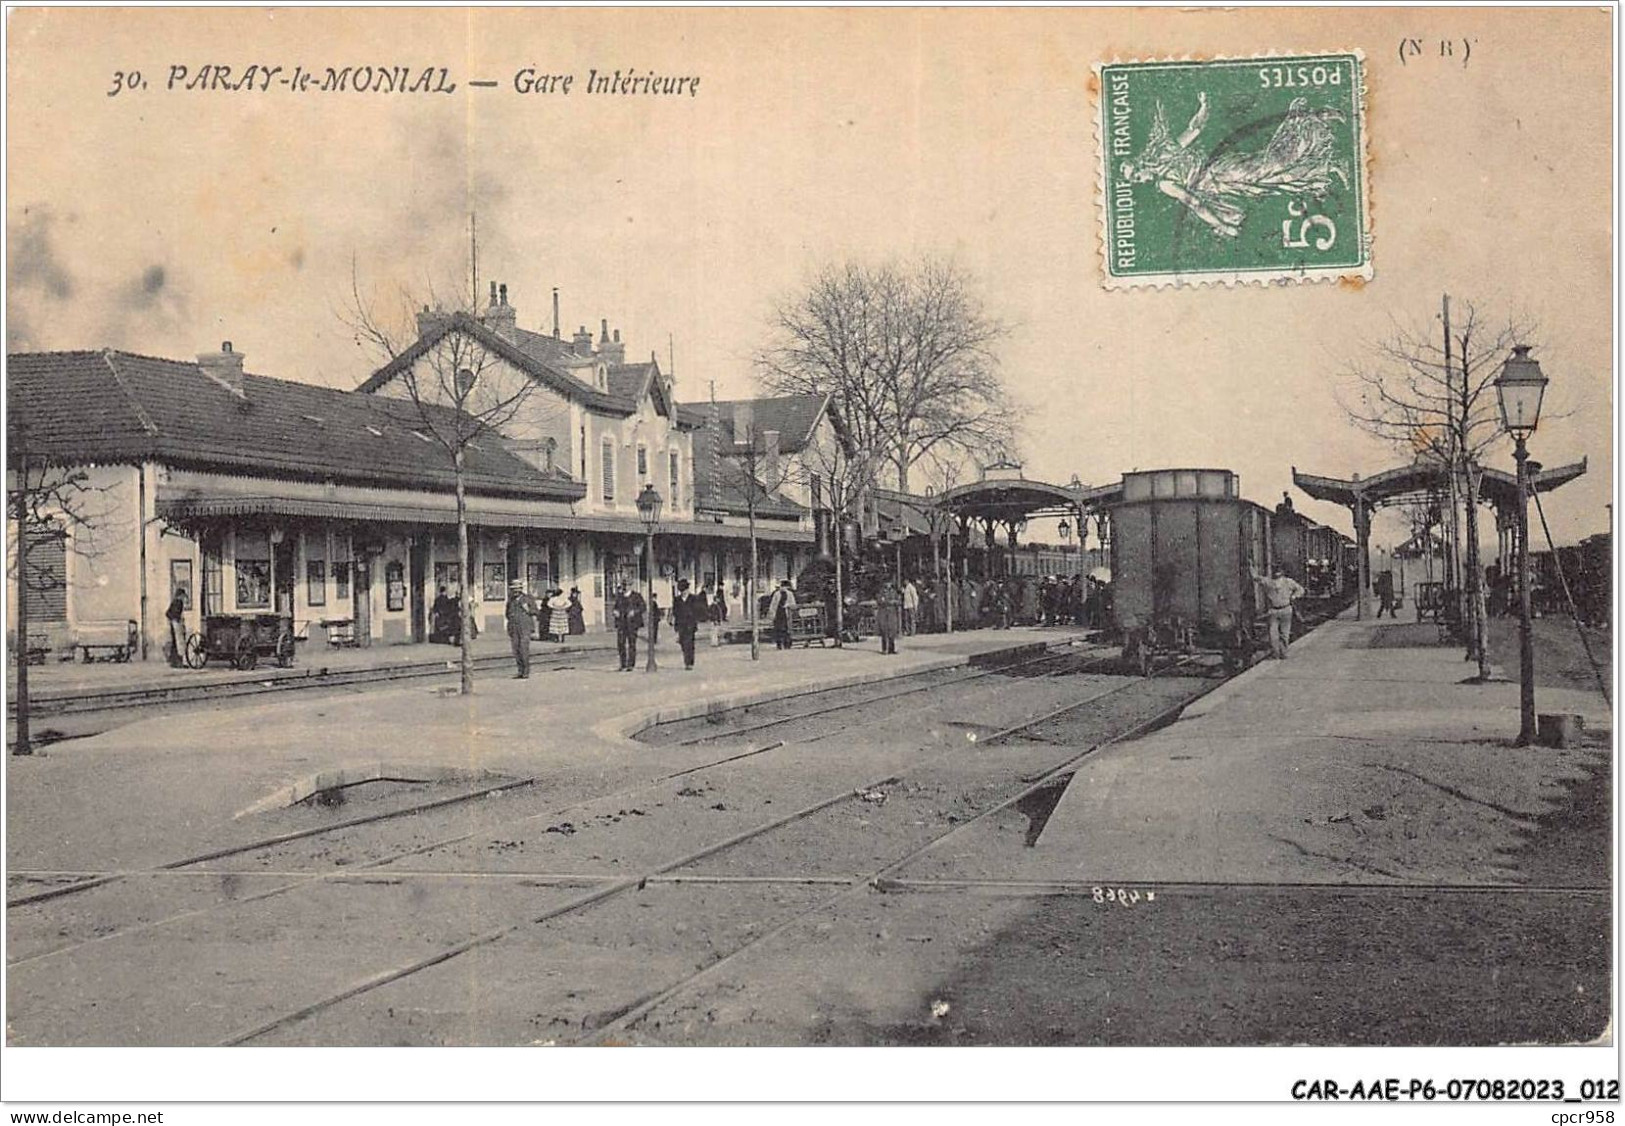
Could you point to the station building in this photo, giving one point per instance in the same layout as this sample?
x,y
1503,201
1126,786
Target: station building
x,y
254,494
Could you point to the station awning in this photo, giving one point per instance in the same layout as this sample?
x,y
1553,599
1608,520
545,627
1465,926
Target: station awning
x,y
1414,481
1017,499
481,513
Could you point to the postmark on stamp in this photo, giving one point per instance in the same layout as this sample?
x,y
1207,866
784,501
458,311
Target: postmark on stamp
x,y
1233,170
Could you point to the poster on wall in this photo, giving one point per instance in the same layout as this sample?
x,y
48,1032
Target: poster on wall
x,y
448,577
496,582
395,586
180,580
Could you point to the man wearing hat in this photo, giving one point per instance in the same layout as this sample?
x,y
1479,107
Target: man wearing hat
x,y
627,612
521,617
687,612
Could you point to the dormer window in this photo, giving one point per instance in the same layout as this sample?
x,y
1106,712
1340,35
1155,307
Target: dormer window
x,y
549,448
602,374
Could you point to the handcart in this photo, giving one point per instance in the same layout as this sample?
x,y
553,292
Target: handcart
x,y
807,625
242,639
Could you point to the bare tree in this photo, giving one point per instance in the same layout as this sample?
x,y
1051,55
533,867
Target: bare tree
x,y
1431,393
461,392
54,506
907,352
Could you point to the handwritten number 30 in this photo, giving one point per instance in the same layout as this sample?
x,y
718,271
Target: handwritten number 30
x,y
1305,225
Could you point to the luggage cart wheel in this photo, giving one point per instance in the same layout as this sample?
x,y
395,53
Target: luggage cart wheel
x,y
284,649
196,655
247,658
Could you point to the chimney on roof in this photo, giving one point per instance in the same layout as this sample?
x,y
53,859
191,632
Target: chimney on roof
x,y
429,320
499,315
555,312
582,343
613,351
225,367
770,458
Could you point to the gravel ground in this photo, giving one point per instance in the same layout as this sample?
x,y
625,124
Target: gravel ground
x,y
1251,967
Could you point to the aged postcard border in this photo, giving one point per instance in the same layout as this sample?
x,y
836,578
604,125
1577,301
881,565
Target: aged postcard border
x,y
1358,272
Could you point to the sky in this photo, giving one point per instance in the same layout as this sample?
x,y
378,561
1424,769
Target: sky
x,y
166,220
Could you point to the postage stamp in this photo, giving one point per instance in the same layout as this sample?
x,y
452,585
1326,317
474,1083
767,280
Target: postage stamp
x,y
1233,170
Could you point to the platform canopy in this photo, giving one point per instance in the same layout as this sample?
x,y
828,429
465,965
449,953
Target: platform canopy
x,y
1421,479
1004,496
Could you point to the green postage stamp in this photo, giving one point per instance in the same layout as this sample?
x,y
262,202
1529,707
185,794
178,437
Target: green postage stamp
x,y
1233,170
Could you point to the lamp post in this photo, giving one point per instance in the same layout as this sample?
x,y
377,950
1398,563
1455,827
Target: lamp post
x,y
1066,538
649,503
1520,387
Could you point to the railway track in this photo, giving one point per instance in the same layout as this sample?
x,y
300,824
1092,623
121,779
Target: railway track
x,y
937,679
641,879
270,682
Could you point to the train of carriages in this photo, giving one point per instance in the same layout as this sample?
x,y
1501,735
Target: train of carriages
x,y
1186,549
1588,569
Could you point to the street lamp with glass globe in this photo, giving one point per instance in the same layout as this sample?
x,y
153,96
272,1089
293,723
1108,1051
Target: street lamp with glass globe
x,y
1520,388
649,504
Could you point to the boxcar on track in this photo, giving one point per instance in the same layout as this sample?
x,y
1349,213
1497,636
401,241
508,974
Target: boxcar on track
x,y
1185,547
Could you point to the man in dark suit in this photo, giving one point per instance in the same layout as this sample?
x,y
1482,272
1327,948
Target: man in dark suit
x,y
520,615
627,614
687,612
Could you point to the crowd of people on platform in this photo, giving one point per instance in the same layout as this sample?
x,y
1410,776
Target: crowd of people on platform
x,y
999,603
898,609
554,615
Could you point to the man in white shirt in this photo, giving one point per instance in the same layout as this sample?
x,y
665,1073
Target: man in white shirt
x,y
1280,590
911,607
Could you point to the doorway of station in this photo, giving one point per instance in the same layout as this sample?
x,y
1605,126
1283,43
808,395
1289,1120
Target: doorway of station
x,y
418,565
515,569
361,603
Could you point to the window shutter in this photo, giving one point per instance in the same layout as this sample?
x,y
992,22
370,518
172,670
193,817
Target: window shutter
x,y
609,470
48,574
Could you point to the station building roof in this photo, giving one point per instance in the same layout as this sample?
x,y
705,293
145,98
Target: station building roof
x,y
794,417
113,407
720,487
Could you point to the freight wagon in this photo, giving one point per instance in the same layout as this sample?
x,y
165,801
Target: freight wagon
x,y
1185,548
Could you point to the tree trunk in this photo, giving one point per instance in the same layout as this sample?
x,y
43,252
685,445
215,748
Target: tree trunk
x,y
24,744
750,585
465,601
840,599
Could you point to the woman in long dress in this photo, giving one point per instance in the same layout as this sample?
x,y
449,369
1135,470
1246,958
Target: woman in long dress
x,y
575,614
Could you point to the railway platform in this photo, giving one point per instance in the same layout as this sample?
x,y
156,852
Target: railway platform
x,y
66,682
175,785
1363,758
